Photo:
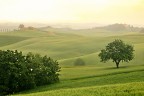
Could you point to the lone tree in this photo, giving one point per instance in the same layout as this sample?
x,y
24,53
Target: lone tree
x,y
117,51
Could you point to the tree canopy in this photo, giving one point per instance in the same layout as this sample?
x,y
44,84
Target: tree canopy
x,y
117,51
20,72
21,26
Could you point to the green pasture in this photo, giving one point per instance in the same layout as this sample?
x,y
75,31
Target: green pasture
x,y
128,89
93,79
112,79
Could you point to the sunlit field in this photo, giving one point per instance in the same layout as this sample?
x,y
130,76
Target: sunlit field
x,y
95,77
72,47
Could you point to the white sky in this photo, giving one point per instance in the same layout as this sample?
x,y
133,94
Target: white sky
x,y
73,11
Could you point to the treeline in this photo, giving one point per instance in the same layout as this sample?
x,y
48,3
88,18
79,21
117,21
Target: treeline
x,y
20,72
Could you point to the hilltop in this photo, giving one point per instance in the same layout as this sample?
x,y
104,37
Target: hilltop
x,y
76,26
108,28
121,27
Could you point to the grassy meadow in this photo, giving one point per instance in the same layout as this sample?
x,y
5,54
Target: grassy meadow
x,y
93,79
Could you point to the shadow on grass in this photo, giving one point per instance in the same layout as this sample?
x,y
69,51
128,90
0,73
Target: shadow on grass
x,y
120,67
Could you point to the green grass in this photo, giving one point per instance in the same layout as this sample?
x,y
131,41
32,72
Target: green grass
x,y
66,48
128,89
82,72
93,79
26,33
8,40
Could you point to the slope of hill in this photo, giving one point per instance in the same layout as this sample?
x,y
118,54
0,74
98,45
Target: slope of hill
x,y
128,79
128,89
67,45
112,30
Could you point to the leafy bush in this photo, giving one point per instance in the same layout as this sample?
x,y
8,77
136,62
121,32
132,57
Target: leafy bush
x,y
79,62
19,72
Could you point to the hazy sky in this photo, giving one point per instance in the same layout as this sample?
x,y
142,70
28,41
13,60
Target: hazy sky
x,y
73,11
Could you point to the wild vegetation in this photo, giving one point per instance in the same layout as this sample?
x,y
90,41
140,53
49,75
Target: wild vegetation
x,y
67,45
19,72
79,62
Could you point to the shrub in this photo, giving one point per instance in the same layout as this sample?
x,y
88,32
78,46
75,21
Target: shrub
x,y
79,62
19,72
44,69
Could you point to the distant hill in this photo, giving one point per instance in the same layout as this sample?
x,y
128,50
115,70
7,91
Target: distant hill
x,y
59,30
63,29
109,28
120,28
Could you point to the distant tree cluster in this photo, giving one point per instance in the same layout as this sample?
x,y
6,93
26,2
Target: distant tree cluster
x,y
22,27
121,27
20,72
142,30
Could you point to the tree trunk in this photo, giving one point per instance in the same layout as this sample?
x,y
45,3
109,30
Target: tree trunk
x,y
117,64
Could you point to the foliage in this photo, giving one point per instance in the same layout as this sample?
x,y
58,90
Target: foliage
x,y
79,62
44,69
19,72
21,26
117,51
30,28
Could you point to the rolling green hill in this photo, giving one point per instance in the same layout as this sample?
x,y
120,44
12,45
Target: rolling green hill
x,y
66,45
128,83
107,90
